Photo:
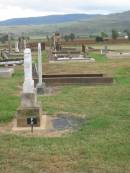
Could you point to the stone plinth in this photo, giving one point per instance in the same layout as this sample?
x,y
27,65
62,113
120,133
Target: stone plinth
x,y
23,113
29,108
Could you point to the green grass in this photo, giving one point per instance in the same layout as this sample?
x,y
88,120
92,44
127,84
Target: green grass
x,y
9,96
102,143
98,57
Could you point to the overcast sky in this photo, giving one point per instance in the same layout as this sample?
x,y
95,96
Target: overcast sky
x,y
28,8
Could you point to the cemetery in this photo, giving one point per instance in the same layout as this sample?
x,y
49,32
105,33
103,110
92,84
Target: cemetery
x,y
64,108
88,111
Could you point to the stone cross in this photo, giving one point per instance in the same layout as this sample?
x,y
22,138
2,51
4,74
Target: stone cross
x,y
39,64
28,86
16,46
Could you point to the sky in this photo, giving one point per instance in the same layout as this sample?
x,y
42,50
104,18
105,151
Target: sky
x,y
31,8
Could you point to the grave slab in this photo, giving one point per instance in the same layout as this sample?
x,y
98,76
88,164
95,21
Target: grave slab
x,y
6,72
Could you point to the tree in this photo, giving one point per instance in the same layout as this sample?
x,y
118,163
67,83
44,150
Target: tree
x,y
99,39
66,38
115,34
103,34
4,38
72,36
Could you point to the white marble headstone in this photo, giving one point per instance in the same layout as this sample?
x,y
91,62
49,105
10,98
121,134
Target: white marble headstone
x,y
25,44
17,47
28,86
39,64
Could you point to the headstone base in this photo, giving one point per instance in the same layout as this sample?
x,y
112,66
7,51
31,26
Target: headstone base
x,y
23,113
40,89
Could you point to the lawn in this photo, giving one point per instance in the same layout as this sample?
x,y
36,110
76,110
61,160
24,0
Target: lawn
x,y
102,143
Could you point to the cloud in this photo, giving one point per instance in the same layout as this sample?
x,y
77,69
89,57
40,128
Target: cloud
x,y
27,8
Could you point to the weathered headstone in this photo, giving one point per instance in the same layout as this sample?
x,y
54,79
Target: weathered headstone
x,y
29,105
83,48
17,47
105,49
40,85
9,42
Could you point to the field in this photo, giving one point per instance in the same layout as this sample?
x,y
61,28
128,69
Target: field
x,y
101,145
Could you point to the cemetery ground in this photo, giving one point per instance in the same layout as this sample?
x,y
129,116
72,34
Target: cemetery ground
x,y
101,144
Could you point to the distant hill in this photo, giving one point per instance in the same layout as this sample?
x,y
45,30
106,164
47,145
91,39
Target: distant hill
x,y
80,24
52,19
118,21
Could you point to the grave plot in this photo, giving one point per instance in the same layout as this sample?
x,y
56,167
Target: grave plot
x,y
29,114
51,126
56,80
117,55
10,58
60,54
13,54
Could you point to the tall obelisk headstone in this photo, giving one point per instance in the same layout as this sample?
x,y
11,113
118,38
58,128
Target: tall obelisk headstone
x,y
29,105
40,85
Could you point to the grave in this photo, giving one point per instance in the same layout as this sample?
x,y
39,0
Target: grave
x,y
6,72
56,80
11,57
55,125
117,55
29,105
60,54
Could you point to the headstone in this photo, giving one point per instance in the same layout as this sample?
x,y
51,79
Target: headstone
x,y
29,105
83,48
25,44
43,46
17,47
105,49
40,85
9,43
28,86
57,41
